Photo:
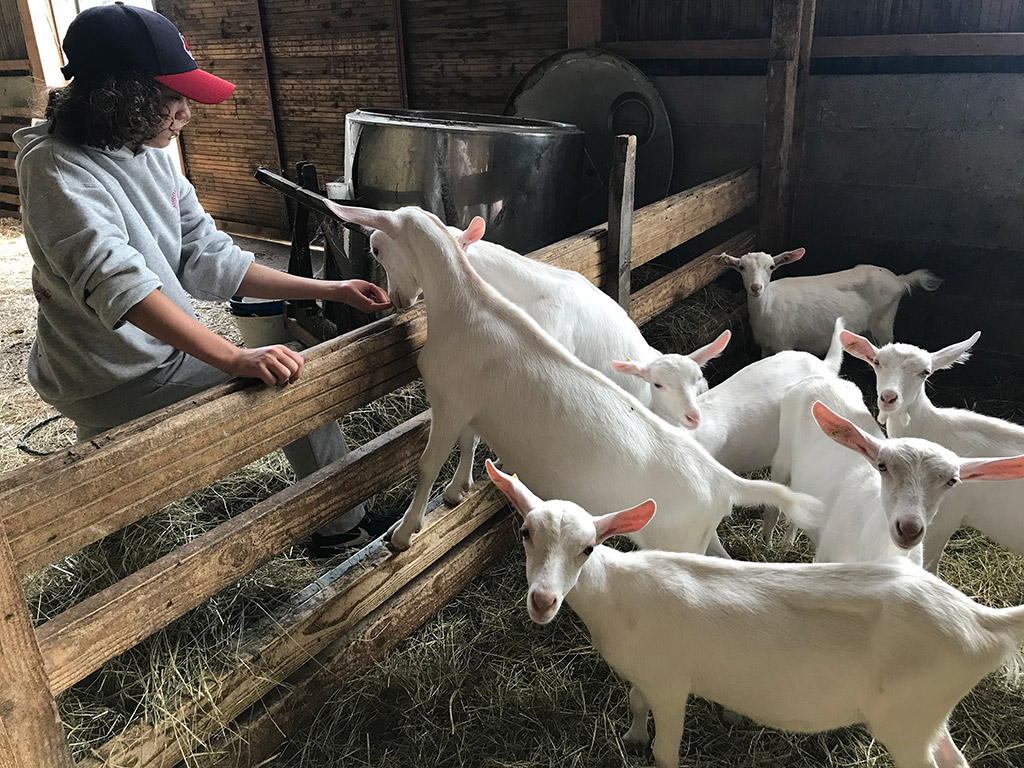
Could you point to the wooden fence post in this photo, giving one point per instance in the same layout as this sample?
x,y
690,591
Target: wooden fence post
x,y
785,91
621,183
31,733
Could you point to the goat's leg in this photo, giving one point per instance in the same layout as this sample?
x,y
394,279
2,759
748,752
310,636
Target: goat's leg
x,y
456,489
637,736
880,325
715,548
668,729
443,430
909,748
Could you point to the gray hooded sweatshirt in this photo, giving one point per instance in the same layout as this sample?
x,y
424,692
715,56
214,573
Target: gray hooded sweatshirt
x,y
105,228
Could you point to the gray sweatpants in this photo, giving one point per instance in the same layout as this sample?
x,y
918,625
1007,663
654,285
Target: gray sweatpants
x,y
183,376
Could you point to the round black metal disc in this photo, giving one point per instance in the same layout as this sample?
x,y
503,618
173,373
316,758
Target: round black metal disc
x,y
605,95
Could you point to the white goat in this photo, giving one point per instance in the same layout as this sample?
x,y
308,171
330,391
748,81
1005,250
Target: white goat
x,y
488,367
901,371
794,313
737,420
586,321
874,509
793,646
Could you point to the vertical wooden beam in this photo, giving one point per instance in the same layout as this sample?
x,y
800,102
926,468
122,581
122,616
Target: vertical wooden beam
x,y
403,74
803,73
789,19
621,183
585,23
274,123
31,733
41,41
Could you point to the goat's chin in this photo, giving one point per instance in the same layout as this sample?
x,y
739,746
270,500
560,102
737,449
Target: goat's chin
x,y
545,617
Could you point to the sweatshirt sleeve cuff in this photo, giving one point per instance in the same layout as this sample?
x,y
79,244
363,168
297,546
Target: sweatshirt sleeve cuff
x,y
113,310
223,281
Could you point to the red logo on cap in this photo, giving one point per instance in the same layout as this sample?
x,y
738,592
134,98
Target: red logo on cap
x,y
184,44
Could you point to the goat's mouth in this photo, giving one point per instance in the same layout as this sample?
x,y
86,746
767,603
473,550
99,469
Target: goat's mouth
x,y
888,407
906,542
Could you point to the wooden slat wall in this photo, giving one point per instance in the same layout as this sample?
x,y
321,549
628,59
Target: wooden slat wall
x,y
12,39
686,19
328,58
9,205
225,143
468,55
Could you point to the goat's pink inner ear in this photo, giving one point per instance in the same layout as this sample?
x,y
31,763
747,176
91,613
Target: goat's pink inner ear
x,y
712,350
844,432
473,233
626,521
730,261
858,346
1011,468
631,368
515,490
789,256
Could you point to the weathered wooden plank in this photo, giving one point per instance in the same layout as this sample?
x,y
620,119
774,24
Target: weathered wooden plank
x,y
293,705
585,23
680,283
621,183
82,638
300,635
839,46
31,733
15,64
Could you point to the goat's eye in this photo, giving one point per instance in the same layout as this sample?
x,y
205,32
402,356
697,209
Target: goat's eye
x,y
925,374
658,386
375,252
952,481
882,467
742,268
524,534
588,551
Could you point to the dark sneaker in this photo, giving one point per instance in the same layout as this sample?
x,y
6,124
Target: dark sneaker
x,y
372,525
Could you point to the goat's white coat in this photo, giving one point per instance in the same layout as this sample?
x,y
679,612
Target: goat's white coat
x,y
488,367
993,508
798,312
793,646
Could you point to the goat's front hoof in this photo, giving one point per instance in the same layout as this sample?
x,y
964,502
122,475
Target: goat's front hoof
x,y
397,539
636,741
453,494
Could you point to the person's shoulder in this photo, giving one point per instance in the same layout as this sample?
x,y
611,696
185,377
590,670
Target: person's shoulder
x,y
50,155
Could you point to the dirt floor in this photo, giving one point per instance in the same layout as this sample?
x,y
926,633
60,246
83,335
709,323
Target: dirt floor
x,y
479,686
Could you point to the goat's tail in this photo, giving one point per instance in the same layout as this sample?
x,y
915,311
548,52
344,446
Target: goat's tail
x,y
799,507
1008,623
920,278
834,356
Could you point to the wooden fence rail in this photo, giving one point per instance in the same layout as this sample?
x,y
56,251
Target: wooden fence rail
x,y
57,505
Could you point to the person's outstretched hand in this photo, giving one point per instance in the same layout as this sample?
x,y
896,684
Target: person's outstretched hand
x,y
276,365
361,295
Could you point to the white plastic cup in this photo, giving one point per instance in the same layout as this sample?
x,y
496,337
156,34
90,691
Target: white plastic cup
x,y
260,321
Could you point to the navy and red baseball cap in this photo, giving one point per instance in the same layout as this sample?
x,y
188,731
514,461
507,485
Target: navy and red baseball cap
x,y
113,38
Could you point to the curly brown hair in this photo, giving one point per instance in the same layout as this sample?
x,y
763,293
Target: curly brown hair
x,y
122,109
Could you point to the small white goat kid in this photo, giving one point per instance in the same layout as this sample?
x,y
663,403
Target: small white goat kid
x,y
793,646
874,509
489,368
901,371
737,420
795,312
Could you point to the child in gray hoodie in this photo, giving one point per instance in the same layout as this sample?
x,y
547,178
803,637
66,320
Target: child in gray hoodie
x,y
119,242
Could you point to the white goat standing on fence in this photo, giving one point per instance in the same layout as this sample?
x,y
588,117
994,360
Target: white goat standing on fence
x,y
901,371
796,312
873,509
488,367
793,646
737,420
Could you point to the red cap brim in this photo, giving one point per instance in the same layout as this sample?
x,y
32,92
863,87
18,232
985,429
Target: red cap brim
x,y
198,85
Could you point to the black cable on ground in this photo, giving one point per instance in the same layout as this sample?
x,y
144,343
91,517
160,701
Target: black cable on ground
x,y
24,446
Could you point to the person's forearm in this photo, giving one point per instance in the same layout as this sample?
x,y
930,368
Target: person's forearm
x,y
158,316
262,282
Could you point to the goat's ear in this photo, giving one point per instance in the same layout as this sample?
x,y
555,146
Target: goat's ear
x,y
730,261
712,350
633,369
522,498
383,220
845,432
1011,468
954,353
858,346
475,231
786,257
626,521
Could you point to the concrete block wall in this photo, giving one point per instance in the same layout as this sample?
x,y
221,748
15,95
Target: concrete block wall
x,y
906,171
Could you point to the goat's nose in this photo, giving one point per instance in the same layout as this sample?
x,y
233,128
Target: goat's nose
x,y
542,601
909,530
692,420
756,288
888,397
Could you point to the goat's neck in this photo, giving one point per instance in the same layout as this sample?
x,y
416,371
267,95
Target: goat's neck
x,y
910,420
762,305
448,282
589,599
